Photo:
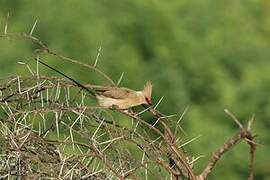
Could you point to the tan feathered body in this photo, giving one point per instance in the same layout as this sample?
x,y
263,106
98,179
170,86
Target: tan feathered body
x,y
123,98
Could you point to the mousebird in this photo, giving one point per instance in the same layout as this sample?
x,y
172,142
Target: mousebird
x,y
124,98
115,97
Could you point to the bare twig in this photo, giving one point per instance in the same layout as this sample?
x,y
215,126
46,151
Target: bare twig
x,y
240,135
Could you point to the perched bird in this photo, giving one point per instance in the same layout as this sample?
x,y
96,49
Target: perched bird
x,y
115,97
124,98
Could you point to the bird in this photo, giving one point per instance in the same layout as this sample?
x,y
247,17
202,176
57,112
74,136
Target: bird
x,y
124,98
114,97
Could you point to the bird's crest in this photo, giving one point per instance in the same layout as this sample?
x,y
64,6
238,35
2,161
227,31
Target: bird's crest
x,y
147,90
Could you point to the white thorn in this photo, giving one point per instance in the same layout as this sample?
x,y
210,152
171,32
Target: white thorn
x,y
111,140
158,102
193,139
97,129
234,118
97,57
19,84
33,27
250,122
21,63
37,67
120,79
195,159
6,25
57,124
156,122
182,115
143,156
29,69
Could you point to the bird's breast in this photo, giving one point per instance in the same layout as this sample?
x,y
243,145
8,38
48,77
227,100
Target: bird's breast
x,y
125,103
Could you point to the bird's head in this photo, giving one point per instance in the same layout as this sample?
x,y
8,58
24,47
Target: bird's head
x,y
147,93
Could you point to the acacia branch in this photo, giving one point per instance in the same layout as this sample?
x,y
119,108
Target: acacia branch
x,y
243,134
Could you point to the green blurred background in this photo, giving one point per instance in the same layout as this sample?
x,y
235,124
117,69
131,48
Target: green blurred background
x,y
208,54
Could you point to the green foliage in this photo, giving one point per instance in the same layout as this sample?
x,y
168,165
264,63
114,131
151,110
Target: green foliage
x,y
210,55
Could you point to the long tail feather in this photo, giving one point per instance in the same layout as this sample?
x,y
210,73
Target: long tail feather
x,y
90,91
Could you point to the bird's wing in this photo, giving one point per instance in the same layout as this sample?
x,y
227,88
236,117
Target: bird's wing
x,y
116,93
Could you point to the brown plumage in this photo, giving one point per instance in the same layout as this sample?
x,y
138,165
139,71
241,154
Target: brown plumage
x,y
123,98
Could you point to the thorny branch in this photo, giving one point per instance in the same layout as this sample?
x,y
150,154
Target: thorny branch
x,y
243,134
35,116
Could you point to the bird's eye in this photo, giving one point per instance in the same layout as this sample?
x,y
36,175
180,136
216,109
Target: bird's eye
x,y
148,100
